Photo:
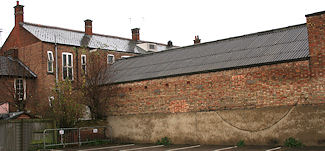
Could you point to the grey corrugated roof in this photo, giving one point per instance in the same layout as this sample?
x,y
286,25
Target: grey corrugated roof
x,y
14,67
78,38
278,45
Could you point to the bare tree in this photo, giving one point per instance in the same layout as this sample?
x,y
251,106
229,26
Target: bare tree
x,y
95,96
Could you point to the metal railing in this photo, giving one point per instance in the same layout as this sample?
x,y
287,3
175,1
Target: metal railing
x,y
75,136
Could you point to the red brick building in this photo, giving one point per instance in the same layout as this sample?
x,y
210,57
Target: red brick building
x,y
54,53
259,87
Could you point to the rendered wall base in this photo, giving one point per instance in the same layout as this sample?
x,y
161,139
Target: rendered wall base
x,y
254,126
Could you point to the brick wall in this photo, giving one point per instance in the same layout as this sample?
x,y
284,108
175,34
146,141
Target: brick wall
x,y
281,84
268,85
257,104
316,38
18,37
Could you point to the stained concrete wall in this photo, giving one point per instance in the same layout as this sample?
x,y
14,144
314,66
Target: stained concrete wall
x,y
254,126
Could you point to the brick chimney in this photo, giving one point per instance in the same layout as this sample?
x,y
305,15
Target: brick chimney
x,y
135,34
88,27
169,44
19,14
197,40
316,39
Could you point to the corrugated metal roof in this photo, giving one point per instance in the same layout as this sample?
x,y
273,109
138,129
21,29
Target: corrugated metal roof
x,y
78,38
14,67
278,45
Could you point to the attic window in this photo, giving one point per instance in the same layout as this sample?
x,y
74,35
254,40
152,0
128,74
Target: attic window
x,y
152,46
110,59
50,60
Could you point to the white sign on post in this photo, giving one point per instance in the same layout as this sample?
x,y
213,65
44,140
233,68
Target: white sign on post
x,y
61,132
95,130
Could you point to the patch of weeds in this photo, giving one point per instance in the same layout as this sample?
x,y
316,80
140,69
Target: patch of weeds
x,y
240,143
293,143
164,141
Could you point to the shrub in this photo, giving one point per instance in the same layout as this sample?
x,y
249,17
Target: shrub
x,y
292,143
164,141
65,107
240,143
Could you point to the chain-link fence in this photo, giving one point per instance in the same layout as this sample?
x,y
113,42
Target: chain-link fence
x,y
75,136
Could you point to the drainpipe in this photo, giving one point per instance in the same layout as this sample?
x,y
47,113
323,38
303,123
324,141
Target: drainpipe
x,y
56,62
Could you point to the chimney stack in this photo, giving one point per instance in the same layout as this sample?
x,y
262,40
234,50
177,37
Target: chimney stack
x,y
135,34
316,39
19,14
197,40
169,44
88,27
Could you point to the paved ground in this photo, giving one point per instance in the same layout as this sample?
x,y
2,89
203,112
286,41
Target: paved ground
x,y
153,147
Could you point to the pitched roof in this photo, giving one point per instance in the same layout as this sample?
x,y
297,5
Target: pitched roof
x,y
78,38
14,67
272,46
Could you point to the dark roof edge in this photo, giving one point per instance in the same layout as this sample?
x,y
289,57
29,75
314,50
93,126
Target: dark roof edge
x,y
230,38
60,28
315,14
30,71
214,70
23,65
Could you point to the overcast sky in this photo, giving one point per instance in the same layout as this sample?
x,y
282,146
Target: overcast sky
x,y
163,20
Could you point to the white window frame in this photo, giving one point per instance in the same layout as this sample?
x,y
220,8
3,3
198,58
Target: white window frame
x,y
123,57
84,64
51,99
50,53
24,88
67,54
113,60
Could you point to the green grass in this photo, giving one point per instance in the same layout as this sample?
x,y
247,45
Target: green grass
x,y
293,143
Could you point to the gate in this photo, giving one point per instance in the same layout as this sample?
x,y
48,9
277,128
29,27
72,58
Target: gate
x,y
75,136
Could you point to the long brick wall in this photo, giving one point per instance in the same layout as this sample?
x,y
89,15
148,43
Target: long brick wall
x,y
280,84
